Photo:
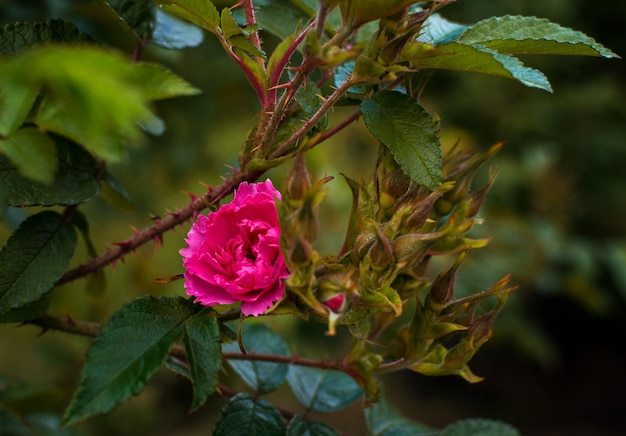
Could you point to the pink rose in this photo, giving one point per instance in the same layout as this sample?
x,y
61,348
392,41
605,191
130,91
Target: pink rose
x,y
234,254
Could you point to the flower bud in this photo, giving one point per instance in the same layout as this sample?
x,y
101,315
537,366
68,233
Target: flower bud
x,y
363,243
381,253
465,170
477,197
335,303
301,251
422,207
412,247
392,183
297,182
442,289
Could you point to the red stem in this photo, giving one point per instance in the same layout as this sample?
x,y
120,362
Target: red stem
x,y
120,249
248,7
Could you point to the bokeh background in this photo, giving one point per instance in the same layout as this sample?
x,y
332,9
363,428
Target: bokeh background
x,y
557,214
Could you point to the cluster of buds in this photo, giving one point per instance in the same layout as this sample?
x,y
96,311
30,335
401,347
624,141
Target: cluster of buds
x,y
396,227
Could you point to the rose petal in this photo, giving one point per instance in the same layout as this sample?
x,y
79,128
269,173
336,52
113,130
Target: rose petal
x,y
234,254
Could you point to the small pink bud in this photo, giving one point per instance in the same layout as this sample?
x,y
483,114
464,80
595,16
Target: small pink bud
x,y
335,303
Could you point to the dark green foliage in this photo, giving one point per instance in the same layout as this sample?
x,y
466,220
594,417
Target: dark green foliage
x,y
34,258
404,126
263,377
131,347
244,416
202,343
16,37
322,390
75,180
298,426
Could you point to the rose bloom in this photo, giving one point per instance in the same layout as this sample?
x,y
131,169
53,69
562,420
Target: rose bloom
x,y
234,254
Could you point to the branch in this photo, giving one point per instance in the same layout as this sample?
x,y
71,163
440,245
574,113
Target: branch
x,y
289,360
317,139
156,230
311,122
67,325
251,21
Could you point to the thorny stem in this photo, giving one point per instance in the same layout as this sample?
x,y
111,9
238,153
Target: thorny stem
x,y
251,21
308,65
317,139
327,104
67,325
160,226
320,22
259,87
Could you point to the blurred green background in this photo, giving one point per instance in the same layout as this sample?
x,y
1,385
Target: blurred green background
x,y
557,215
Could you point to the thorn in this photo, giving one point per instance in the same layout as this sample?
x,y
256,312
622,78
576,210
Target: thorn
x,y
281,86
190,195
155,218
135,230
124,245
69,319
158,239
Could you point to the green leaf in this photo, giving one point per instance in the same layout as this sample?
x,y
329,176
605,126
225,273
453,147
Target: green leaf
x,y
172,33
199,12
243,416
138,14
228,24
33,153
438,30
157,83
475,59
204,357
383,420
342,74
131,346
178,366
404,126
322,390
16,102
34,258
102,115
276,61
16,37
263,377
531,35
115,193
479,427
298,426
310,100
280,18
80,222
75,180
27,312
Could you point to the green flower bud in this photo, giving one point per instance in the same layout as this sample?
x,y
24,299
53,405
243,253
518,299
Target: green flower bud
x,y
381,253
297,183
442,289
422,207
363,243
301,251
411,248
